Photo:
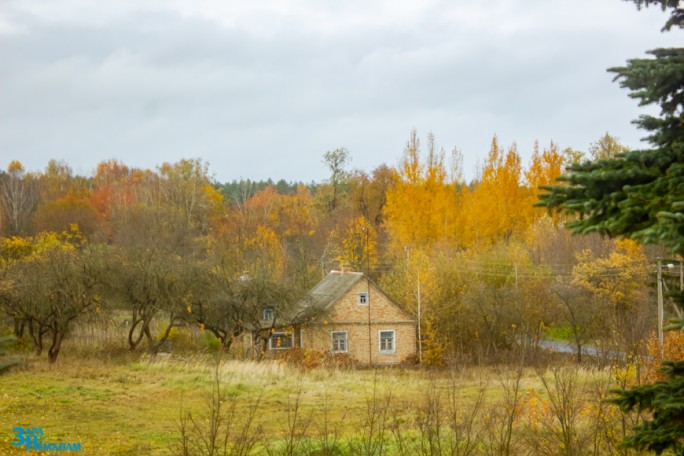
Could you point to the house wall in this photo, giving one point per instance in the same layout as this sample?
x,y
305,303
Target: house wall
x,y
350,316
319,338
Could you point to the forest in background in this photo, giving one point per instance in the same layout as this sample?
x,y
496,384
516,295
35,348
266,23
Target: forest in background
x,y
171,246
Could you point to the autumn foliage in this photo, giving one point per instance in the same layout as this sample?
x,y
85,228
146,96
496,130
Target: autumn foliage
x,y
493,274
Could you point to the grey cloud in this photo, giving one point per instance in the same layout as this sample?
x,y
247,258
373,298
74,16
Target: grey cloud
x,y
157,85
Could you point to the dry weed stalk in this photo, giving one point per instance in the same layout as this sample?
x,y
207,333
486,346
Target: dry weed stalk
x,y
499,421
223,431
373,437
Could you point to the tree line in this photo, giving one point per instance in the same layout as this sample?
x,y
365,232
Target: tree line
x,y
173,245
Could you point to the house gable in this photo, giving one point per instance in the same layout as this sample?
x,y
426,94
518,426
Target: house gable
x,y
349,296
379,308
348,314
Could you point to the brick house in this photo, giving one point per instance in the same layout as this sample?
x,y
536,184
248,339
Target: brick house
x,y
347,313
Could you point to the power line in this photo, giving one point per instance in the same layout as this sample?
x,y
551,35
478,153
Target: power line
x,y
510,270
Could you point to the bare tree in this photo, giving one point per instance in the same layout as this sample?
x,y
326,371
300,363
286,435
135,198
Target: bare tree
x,y
18,192
154,245
579,314
336,161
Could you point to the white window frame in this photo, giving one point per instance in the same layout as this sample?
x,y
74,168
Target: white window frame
x,y
394,341
268,309
346,341
363,296
280,333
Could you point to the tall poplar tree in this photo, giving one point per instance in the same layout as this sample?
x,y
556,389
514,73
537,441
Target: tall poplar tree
x,y
640,194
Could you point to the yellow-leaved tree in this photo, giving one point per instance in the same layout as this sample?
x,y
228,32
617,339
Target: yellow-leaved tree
x,y
264,255
618,284
544,169
498,207
355,245
422,204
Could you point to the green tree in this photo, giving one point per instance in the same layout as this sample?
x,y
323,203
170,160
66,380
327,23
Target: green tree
x,y
639,194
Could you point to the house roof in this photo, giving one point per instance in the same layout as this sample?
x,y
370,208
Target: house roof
x,y
326,293
329,290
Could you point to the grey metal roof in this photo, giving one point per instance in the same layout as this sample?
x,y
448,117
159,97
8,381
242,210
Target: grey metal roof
x,y
326,293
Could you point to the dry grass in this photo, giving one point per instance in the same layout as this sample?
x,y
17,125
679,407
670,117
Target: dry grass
x,y
120,403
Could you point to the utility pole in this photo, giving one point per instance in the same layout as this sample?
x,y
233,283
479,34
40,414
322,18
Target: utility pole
x,y
370,331
661,312
661,317
420,340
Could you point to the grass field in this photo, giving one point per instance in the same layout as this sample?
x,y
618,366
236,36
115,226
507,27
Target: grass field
x,y
132,405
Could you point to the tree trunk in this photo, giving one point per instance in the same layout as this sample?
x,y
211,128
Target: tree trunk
x,y
133,342
154,347
226,343
149,337
57,337
19,326
145,320
579,351
37,338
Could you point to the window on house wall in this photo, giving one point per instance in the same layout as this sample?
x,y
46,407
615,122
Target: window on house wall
x,y
387,341
362,298
339,341
281,341
268,314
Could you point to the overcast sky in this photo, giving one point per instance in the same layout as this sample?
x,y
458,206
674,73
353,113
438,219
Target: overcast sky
x,y
262,89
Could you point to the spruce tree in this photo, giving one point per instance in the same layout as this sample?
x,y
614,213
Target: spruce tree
x,y
640,194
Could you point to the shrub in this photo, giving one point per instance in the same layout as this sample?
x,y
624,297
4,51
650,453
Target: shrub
x,y
213,342
673,350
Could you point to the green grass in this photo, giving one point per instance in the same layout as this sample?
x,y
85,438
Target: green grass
x,y
106,407
560,333
114,406
132,404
